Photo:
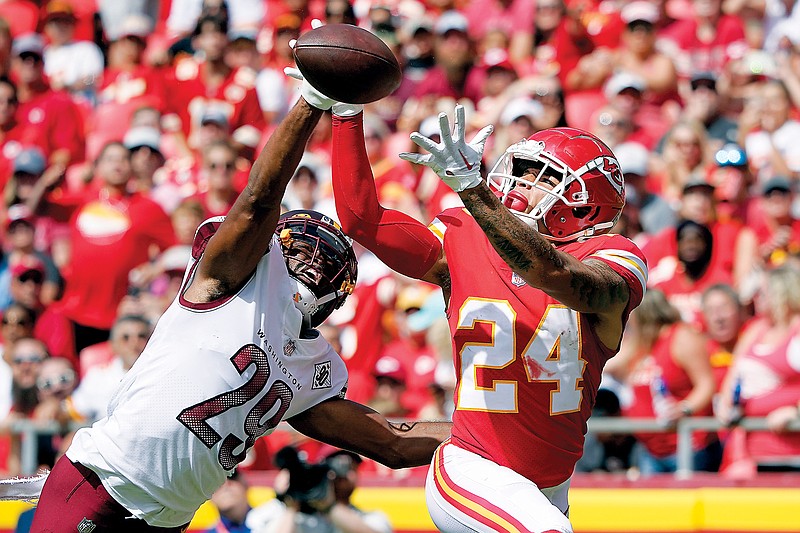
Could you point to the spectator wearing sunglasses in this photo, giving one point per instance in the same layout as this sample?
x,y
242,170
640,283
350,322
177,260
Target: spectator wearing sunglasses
x,y
28,277
89,401
25,357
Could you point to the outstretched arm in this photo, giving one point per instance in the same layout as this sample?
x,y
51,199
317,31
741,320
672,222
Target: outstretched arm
x,y
236,248
588,287
396,445
400,241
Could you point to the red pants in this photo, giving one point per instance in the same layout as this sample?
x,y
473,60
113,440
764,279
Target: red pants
x,y
73,499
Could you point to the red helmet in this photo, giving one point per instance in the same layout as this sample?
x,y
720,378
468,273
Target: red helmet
x,y
587,193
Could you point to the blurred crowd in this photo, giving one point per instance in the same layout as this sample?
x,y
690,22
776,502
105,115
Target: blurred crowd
x,y
123,125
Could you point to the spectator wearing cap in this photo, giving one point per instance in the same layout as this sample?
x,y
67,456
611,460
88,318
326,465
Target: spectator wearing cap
x,y
499,75
415,359
127,84
206,81
390,383
517,118
20,242
345,516
144,143
734,251
625,91
454,75
777,229
31,277
112,230
70,64
770,133
703,103
732,179
653,213
612,125
52,120
638,54
705,40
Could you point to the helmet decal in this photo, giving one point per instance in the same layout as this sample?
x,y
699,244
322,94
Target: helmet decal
x,y
320,259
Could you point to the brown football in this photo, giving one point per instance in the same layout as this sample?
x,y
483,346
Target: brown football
x,y
347,63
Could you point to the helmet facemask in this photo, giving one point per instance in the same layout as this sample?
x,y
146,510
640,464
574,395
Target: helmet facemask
x,y
527,163
320,259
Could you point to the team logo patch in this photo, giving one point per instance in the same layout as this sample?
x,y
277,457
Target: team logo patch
x,y
322,376
86,526
517,280
288,348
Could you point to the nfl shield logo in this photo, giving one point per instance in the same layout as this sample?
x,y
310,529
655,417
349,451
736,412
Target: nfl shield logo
x,y
288,348
517,280
86,526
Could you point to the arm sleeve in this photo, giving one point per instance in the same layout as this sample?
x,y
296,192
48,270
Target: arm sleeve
x,y
403,243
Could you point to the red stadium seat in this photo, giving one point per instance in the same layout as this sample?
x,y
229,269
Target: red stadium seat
x,y
580,107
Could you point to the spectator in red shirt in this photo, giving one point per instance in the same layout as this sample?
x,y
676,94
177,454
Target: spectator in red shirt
x,y
51,119
205,81
723,318
735,246
777,229
638,53
128,84
706,40
28,275
560,41
454,75
11,132
112,231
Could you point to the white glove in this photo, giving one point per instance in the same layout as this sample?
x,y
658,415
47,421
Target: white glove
x,y
319,100
455,161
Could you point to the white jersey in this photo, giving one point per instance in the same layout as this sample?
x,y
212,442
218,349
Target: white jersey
x,y
212,379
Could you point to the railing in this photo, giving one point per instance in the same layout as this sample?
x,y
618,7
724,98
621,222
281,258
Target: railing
x,y
685,427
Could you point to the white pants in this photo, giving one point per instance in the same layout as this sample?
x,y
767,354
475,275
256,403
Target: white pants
x,y
467,493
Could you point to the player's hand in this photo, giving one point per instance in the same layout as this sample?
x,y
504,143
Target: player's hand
x,y
455,161
314,97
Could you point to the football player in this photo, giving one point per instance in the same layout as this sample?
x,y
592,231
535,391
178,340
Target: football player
x,y
235,354
538,293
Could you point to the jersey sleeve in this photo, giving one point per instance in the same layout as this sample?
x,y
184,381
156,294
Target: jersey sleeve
x,y
401,242
628,261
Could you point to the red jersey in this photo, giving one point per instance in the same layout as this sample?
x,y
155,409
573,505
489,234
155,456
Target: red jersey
x,y
189,97
529,366
109,236
770,377
52,121
659,363
696,55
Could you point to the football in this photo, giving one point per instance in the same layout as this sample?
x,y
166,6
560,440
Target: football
x,y
347,63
